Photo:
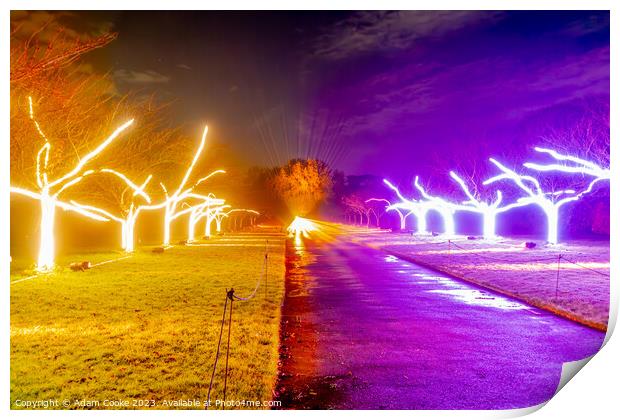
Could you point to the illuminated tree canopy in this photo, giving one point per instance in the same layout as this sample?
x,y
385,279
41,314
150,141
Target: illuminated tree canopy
x,y
303,184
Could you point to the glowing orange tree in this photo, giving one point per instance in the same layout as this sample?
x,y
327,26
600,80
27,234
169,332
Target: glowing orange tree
x,y
302,184
172,204
49,190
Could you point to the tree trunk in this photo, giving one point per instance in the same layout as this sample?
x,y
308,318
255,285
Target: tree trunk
x,y
46,245
552,223
421,222
191,228
167,223
488,222
448,222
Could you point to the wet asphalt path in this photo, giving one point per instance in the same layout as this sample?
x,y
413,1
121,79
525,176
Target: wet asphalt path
x,y
388,334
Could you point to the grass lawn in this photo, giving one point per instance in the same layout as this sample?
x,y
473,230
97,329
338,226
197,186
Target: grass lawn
x,y
146,327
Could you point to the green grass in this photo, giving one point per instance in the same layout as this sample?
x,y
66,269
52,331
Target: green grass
x,y
146,327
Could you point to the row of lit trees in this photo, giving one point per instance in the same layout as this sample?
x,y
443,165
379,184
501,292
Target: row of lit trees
x,y
532,193
183,200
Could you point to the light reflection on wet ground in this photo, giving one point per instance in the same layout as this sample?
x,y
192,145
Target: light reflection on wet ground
x,y
391,334
456,289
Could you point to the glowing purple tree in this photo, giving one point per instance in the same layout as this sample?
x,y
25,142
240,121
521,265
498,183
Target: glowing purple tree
x,y
488,209
418,208
550,202
445,208
358,206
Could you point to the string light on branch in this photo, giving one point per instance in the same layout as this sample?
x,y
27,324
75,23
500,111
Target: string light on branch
x,y
578,166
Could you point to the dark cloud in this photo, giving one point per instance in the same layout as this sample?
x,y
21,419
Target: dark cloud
x,y
365,32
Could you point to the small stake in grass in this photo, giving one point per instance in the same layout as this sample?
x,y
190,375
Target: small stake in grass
x,y
80,266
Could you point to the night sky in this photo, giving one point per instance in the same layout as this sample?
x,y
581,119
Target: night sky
x,y
368,92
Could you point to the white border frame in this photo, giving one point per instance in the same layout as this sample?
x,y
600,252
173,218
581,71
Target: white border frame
x,y
591,394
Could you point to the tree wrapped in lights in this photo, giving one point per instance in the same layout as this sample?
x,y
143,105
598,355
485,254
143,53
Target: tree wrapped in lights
x,y
49,189
210,206
360,207
416,207
128,218
550,202
219,217
172,201
488,209
210,217
445,208
113,194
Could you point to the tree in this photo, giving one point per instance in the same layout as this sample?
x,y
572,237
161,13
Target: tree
x,y
129,215
587,131
49,189
578,166
418,208
172,202
488,209
445,208
208,209
302,184
75,107
357,205
549,201
152,148
402,217
33,56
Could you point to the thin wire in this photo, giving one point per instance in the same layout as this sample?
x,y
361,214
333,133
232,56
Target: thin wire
x,y
264,271
217,353
230,295
584,267
504,260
